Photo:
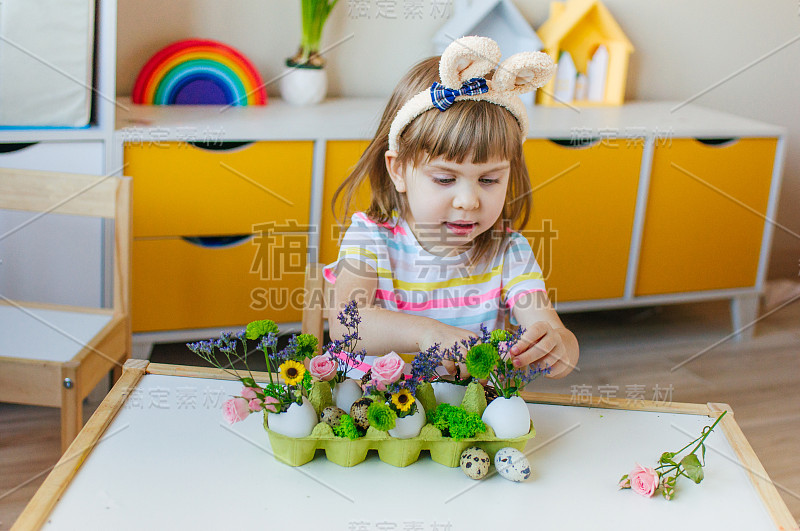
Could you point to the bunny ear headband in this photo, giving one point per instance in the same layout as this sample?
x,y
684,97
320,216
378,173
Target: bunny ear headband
x,y
462,68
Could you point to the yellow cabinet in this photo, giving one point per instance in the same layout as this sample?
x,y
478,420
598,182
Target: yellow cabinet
x,y
185,284
340,158
584,198
220,235
705,215
183,190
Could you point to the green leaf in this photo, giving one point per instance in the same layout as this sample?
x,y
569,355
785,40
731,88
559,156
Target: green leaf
x,y
694,470
248,382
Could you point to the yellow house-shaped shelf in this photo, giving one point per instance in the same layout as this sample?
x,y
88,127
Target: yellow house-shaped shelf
x,y
580,27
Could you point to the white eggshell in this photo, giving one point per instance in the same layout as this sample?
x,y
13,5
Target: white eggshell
x,y
475,462
512,464
409,426
508,417
345,393
297,421
449,393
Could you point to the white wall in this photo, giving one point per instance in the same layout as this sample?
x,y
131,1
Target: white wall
x,y
683,47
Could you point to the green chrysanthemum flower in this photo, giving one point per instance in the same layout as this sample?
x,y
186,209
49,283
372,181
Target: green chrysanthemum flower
x,y
306,345
500,335
257,329
381,417
481,359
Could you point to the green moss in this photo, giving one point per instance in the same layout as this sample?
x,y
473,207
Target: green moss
x,y
347,428
320,396
455,422
474,399
426,396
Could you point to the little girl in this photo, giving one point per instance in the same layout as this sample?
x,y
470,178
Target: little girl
x,y
435,255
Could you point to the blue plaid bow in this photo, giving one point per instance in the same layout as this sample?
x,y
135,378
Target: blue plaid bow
x,y
443,97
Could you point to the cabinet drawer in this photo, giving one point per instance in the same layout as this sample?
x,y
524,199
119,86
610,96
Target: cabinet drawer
x,y
178,285
340,158
181,189
704,222
583,206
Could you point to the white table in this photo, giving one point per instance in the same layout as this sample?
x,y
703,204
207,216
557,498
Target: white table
x,y
158,455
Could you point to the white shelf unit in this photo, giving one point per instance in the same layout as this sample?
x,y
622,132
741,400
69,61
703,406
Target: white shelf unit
x,y
85,244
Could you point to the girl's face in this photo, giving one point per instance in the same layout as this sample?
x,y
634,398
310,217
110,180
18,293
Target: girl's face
x,y
450,203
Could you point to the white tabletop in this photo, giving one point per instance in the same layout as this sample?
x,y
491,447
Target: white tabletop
x,y
46,335
169,461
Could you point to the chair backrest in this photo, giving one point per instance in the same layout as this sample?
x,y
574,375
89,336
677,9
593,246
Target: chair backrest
x,y
83,195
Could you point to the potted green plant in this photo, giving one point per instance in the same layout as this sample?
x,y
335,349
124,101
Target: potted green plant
x,y
306,82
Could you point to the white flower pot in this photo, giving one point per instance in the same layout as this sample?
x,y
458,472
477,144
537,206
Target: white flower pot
x,y
304,86
508,417
449,393
409,426
345,393
297,421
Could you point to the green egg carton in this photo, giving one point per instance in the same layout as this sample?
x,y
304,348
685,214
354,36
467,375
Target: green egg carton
x,y
397,452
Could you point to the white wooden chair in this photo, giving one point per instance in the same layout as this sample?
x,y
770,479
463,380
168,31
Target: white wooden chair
x,y
54,355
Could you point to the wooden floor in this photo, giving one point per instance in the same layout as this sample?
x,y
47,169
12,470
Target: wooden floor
x,y
623,353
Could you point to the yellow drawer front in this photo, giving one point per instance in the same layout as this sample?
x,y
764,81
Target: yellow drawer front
x,y
340,157
182,190
583,206
178,285
704,221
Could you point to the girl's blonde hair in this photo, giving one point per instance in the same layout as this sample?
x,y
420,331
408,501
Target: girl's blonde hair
x,y
482,129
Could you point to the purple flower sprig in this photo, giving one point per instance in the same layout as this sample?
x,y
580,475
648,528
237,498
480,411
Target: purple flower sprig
x,y
423,367
227,345
511,379
350,319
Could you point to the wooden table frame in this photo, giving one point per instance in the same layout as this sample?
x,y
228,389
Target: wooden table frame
x,y
41,505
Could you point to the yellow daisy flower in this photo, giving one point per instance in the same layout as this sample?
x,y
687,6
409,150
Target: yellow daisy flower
x,y
292,372
403,400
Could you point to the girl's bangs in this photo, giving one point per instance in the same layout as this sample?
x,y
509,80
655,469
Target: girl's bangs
x,y
486,130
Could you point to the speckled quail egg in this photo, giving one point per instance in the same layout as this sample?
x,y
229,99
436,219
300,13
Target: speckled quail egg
x,y
475,462
332,416
512,464
359,412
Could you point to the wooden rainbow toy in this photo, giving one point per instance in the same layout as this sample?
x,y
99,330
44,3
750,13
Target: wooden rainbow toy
x,y
199,72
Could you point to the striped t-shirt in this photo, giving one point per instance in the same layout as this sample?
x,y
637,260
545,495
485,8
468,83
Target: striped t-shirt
x,y
412,280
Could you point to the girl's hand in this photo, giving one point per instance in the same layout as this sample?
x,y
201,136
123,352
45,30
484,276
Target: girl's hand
x,y
548,346
447,336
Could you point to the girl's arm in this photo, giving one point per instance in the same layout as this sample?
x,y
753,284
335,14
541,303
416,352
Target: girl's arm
x,y
546,340
383,330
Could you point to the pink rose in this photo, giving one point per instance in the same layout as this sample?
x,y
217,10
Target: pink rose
x,y
388,369
249,393
267,404
255,404
322,367
644,480
235,409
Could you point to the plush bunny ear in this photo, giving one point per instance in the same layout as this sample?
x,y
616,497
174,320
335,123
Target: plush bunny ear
x,y
466,58
523,72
